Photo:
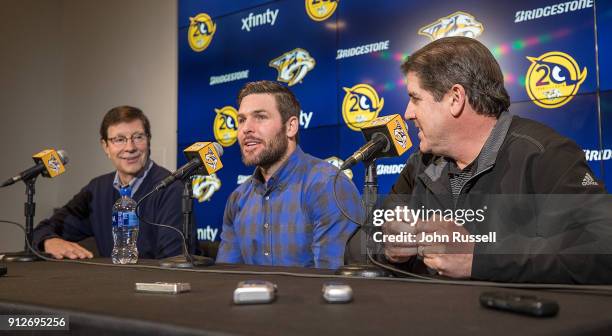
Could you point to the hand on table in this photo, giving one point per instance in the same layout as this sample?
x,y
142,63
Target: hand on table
x,y
60,249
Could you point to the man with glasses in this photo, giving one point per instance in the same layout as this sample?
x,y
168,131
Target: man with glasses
x,y
125,136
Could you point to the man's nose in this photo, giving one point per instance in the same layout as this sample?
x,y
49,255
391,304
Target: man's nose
x,y
245,127
130,146
409,114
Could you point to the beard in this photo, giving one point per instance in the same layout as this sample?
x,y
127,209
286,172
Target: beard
x,y
273,152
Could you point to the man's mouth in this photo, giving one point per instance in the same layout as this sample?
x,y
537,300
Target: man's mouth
x,y
420,131
131,159
251,144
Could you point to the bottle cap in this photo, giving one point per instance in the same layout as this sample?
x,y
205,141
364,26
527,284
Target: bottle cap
x,y
125,191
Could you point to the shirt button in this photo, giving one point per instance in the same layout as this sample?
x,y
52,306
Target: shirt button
x,y
266,253
266,226
267,198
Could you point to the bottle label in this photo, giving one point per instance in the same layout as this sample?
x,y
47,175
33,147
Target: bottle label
x,y
125,219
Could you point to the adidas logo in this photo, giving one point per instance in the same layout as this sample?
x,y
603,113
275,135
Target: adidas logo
x,y
588,180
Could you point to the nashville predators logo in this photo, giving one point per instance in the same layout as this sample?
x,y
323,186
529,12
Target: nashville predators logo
x,y
200,32
337,162
225,127
456,24
211,159
360,105
205,186
553,79
320,10
293,65
54,164
400,135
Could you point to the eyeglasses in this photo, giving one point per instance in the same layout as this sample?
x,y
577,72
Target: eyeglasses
x,y
120,141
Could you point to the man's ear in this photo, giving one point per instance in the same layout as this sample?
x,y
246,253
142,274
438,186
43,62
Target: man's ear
x,y
292,126
457,98
104,145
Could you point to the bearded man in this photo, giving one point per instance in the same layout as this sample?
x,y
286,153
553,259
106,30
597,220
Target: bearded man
x,y
285,214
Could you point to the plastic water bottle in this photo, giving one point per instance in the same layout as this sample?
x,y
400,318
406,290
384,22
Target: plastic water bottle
x,y
125,229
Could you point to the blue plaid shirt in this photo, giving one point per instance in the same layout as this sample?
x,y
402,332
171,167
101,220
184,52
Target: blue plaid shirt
x,y
293,219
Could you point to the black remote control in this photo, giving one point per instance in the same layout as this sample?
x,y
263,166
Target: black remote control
x,y
522,304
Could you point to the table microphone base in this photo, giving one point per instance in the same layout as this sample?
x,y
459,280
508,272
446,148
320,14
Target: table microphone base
x,y
362,271
181,262
23,256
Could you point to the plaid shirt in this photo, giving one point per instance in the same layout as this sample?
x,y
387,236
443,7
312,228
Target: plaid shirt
x,y
293,219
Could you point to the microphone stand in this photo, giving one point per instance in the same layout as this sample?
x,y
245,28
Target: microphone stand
x,y
29,210
370,195
187,260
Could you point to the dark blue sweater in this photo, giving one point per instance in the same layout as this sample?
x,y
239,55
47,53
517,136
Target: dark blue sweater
x,y
89,213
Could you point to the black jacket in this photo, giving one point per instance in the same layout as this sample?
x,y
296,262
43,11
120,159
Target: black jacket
x,y
552,218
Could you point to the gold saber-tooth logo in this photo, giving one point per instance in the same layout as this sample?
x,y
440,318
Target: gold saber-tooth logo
x,y
456,24
205,186
211,159
400,135
320,10
225,125
553,79
200,32
361,105
293,65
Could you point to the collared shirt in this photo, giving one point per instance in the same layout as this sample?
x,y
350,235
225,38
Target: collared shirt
x,y
293,218
459,177
135,182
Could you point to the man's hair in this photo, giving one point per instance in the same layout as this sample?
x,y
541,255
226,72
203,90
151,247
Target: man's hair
x,y
286,103
122,114
465,61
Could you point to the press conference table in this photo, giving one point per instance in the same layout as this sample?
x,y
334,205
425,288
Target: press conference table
x,y
102,300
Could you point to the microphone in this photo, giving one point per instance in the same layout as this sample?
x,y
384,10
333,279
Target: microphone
x,y
49,162
387,136
204,155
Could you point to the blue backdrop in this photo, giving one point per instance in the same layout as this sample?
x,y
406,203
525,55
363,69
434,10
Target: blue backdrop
x,y
336,50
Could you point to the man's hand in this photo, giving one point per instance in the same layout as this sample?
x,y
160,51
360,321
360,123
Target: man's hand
x,y
451,259
399,252
61,249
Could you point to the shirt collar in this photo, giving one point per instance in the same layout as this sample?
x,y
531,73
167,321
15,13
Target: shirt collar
x,y
487,156
280,177
135,182
453,169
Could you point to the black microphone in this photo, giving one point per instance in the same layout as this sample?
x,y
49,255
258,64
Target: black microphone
x,y
201,154
378,143
386,136
49,163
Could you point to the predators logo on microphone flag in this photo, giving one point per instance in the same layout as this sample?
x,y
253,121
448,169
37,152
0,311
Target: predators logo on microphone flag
x,y
51,160
207,153
396,128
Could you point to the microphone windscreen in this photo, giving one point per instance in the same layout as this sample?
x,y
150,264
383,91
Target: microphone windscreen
x,y
219,148
63,156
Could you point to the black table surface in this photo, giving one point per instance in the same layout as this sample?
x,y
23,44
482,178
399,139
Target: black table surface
x,y
101,299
